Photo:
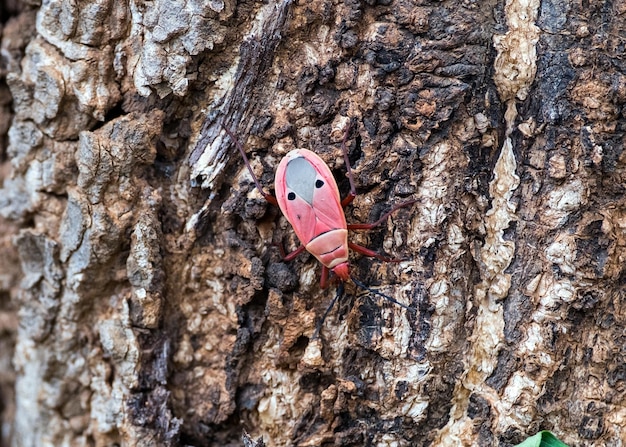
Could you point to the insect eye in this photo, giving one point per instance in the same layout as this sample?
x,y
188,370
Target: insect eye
x,y
319,183
291,196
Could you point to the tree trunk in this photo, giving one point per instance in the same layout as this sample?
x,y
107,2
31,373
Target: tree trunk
x,y
150,305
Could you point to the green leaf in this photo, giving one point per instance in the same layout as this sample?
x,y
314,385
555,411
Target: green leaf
x,y
542,439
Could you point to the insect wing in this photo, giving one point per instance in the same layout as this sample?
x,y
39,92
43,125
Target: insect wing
x,y
308,196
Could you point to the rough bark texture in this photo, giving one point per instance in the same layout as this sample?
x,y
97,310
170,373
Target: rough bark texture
x,y
142,301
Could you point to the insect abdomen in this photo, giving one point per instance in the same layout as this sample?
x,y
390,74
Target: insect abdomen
x,y
330,248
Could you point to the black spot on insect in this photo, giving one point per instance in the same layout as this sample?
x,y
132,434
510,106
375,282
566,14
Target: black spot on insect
x,y
299,217
319,183
291,196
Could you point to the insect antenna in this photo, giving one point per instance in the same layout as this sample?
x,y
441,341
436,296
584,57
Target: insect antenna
x,y
319,325
387,297
270,198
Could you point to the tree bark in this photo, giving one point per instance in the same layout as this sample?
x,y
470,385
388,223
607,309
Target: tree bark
x,y
143,301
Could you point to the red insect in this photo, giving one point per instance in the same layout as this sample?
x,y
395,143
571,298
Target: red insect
x,y
308,196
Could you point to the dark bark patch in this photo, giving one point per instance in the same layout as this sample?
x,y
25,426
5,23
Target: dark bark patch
x,y
151,411
516,307
592,249
592,422
281,276
554,74
505,367
478,408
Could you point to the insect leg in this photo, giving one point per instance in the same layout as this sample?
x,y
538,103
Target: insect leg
x,y
324,277
382,295
384,217
350,197
319,325
270,198
289,256
371,253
